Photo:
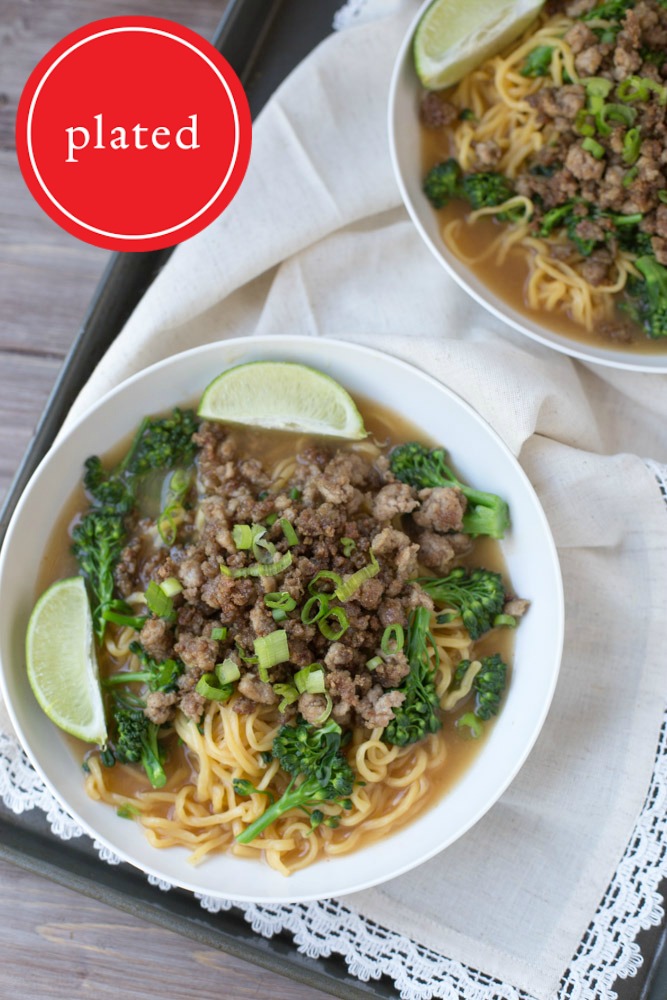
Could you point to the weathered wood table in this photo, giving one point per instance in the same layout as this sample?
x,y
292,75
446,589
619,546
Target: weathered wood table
x,y
54,943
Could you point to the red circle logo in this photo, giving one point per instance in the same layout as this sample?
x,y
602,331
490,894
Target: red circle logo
x,y
133,133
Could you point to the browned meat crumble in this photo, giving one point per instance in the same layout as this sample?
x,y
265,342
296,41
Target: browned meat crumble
x,y
332,495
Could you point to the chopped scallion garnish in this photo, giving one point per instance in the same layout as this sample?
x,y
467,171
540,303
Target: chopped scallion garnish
x,y
301,676
271,650
289,532
219,633
288,694
158,602
208,687
348,545
315,608
330,631
345,591
374,662
227,671
259,569
393,639
324,574
281,599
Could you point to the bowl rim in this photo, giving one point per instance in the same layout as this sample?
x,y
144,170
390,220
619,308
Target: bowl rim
x,y
273,344
460,271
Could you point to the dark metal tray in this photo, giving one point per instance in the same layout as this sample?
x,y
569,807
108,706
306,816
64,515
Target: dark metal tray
x,y
263,40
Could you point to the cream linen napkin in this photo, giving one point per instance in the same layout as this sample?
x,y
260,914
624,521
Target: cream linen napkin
x,y
317,243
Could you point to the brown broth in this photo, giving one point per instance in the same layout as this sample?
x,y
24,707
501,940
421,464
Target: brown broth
x,y
386,428
509,280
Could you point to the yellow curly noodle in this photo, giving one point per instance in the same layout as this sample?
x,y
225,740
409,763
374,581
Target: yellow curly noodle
x,y
497,94
198,809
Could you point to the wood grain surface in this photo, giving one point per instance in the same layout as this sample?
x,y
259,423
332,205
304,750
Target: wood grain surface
x,y
54,943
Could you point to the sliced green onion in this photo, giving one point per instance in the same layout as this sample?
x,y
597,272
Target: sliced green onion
x,y
593,147
289,532
630,176
348,545
315,608
509,621
324,574
326,713
315,682
127,811
638,88
219,634
173,511
281,599
301,676
259,569
294,493
619,113
288,693
242,535
345,591
271,519
207,687
171,586
472,722
598,86
158,602
279,615
242,653
227,671
662,195
631,146
582,125
330,631
374,662
393,639
271,650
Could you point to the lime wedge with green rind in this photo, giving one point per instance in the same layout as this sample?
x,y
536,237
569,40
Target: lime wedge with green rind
x,y
282,395
455,36
61,661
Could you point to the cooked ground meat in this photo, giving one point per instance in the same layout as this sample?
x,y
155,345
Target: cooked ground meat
x,y
160,706
157,638
392,500
222,610
435,112
441,509
516,607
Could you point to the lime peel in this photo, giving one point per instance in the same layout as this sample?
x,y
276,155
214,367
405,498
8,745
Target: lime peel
x,y
282,395
453,37
61,661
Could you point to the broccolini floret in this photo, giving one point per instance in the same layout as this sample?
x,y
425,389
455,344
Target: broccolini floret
x,y
319,773
137,742
652,297
413,463
159,676
443,182
477,596
488,685
418,715
99,537
486,189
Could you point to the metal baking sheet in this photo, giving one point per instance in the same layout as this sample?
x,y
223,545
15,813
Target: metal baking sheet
x,y
263,40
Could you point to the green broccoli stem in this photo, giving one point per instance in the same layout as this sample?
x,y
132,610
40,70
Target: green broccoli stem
x,y
150,758
129,677
307,793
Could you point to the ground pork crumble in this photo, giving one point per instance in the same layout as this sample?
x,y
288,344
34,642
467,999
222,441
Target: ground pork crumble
x,y
333,495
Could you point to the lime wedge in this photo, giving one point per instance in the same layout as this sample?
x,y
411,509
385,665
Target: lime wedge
x,y
62,667
283,396
455,36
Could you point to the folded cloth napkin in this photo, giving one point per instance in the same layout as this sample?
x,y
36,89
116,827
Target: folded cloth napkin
x,y
316,242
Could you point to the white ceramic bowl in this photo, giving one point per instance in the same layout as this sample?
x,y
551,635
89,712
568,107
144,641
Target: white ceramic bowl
x,y
405,144
481,458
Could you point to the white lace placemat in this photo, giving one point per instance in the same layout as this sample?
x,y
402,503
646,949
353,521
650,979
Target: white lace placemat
x,y
608,949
